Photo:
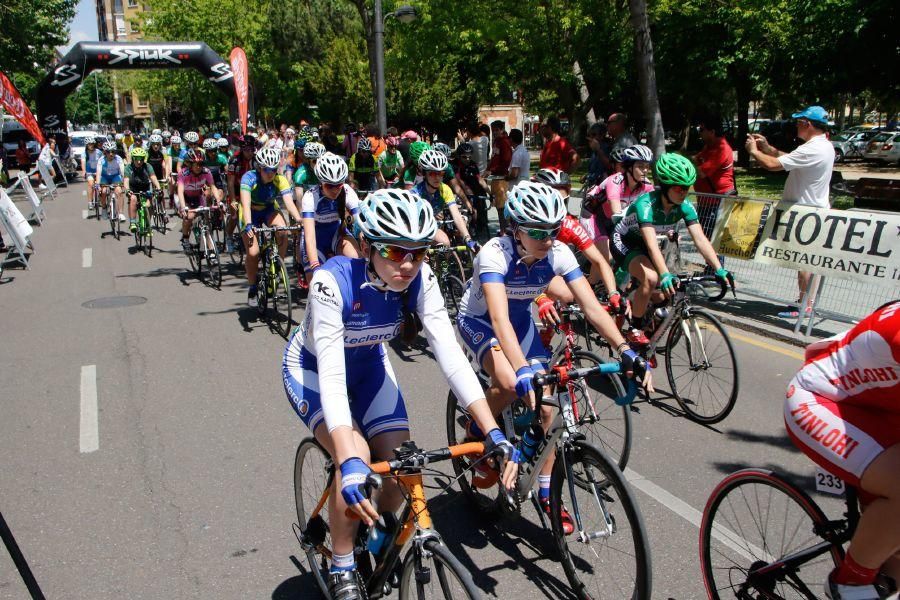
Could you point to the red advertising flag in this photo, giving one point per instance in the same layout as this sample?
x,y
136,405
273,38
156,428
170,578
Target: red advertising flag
x,y
241,83
15,106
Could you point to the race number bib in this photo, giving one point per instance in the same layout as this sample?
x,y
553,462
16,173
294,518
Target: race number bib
x,y
828,483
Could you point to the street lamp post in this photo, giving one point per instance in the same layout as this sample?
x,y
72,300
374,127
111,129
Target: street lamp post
x,y
404,14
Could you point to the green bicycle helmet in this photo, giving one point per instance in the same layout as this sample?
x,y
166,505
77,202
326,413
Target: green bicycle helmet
x,y
138,154
674,169
416,149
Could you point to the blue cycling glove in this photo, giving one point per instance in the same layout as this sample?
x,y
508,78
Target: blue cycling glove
x,y
632,361
523,381
497,444
248,228
353,480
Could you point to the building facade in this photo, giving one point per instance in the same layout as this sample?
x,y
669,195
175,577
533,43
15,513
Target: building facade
x,y
116,23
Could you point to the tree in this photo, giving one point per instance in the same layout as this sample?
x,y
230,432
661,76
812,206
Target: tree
x,y
643,49
81,106
31,32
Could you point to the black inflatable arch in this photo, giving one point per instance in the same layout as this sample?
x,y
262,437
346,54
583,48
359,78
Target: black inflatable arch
x,y
84,57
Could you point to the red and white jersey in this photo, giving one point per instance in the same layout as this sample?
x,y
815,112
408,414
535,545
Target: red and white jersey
x,y
860,366
571,232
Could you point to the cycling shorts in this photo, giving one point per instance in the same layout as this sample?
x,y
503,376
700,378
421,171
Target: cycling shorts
x,y
622,254
262,217
195,201
841,438
478,337
106,180
596,227
376,403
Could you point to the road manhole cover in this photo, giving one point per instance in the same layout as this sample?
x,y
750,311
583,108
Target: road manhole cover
x,y
114,302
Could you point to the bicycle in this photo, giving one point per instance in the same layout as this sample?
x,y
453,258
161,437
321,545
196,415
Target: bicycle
x,y
705,362
606,424
236,252
112,212
610,540
428,563
143,235
160,218
451,278
787,547
203,251
273,284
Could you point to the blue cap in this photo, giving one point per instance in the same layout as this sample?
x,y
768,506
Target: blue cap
x,y
217,136
813,113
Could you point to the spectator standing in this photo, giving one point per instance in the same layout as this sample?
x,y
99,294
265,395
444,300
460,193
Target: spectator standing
x,y
622,139
375,139
351,140
23,158
408,137
48,153
600,148
557,152
715,173
498,167
520,165
480,147
329,139
809,170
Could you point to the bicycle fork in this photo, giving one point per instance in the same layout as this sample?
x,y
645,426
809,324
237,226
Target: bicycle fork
x,y
609,525
693,338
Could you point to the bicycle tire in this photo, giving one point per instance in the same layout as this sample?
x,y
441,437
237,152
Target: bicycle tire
x,y
149,242
752,552
213,266
445,566
487,500
193,259
453,290
281,298
595,474
691,406
305,501
605,424
262,290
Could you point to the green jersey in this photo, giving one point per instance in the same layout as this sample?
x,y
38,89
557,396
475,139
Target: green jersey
x,y
390,163
305,177
648,210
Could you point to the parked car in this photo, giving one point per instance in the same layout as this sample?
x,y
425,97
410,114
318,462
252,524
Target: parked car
x,y
11,131
850,144
878,145
890,150
78,144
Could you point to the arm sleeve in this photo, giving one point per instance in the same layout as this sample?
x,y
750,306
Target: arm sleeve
x,y
308,205
442,340
352,200
327,330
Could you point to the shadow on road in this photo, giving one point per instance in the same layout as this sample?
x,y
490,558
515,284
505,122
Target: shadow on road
x,y
779,441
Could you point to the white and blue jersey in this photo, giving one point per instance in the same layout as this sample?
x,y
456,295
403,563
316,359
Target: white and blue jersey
x,y
111,171
335,368
91,159
499,262
329,229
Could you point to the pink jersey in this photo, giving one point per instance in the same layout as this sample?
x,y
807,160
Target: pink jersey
x,y
599,223
194,184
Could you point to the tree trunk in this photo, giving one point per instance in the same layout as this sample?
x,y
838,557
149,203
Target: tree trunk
x,y
368,22
839,116
643,45
585,95
850,116
742,91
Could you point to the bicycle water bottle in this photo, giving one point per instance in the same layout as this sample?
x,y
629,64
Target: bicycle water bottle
x,y
380,533
530,443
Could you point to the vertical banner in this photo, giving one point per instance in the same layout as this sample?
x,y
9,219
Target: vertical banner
x,y
14,105
241,84
738,227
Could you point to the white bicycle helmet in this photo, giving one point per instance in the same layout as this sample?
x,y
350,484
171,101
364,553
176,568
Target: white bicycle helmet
x,y
223,143
155,138
109,146
637,153
553,177
313,150
396,217
175,139
156,132
268,157
443,149
210,144
432,160
364,145
192,137
166,135
535,204
89,140
331,168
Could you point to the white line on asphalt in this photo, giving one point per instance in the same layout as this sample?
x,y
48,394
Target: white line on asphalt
x,y
90,432
84,192
87,257
695,517
84,214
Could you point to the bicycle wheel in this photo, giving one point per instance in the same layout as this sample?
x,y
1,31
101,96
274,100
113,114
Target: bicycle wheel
x,y
608,555
262,290
702,367
453,290
281,297
754,518
313,473
483,499
211,258
435,573
194,259
604,423
148,232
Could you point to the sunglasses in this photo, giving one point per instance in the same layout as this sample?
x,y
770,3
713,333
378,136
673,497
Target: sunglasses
x,y
441,173
269,170
541,234
399,254
332,186
678,188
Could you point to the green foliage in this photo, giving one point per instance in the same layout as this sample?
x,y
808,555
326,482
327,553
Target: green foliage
x,y
81,105
29,32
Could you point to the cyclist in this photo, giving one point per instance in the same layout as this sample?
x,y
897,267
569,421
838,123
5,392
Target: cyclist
x,y
410,176
633,241
294,159
92,155
571,232
364,173
139,177
260,189
111,172
215,162
195,188
120,145
433,164
842,409
242,161
469,179
172,166
156,157
495,321
390,162
305,175
337,375
604,202
325,210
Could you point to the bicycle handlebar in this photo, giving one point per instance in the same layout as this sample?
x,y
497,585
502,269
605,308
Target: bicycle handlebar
x,y
446,249
561,375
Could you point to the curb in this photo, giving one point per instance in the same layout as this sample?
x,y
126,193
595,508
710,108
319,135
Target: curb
x,y
760,330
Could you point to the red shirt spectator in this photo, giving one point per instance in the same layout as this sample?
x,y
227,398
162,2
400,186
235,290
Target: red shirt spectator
x,y
715,163
501,157
557,152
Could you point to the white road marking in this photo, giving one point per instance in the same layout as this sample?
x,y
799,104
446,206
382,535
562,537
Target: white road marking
x,y
84,192
695,517
90,432
87,257
84,214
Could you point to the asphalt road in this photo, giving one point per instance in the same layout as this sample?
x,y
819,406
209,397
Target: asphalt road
x,y
189,491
